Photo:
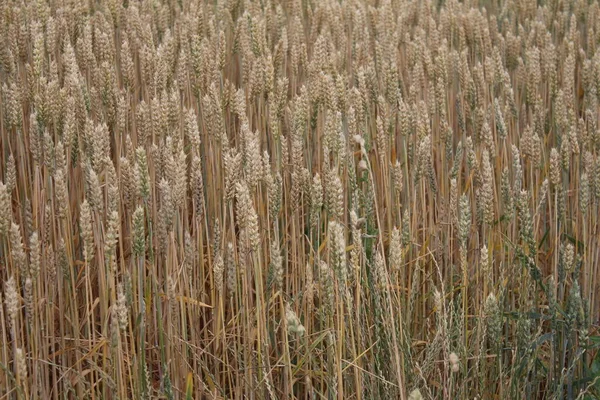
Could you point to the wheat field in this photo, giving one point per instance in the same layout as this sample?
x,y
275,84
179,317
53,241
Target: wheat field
x,y
299,199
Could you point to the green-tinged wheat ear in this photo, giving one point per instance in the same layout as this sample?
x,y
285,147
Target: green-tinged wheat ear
x,y
316,200
493,321
139,235
141,174
275,188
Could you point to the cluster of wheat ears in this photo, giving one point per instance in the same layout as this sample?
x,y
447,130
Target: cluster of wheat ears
x,y
311,199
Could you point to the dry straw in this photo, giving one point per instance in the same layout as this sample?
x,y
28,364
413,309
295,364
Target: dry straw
x,y
299,199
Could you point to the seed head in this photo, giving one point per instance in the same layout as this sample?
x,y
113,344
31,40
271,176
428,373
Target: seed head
x,y
139,234
11,298
5,209
337,241
11,174
584,193
16,247
246,214
141,174
316,199
327,293
121,308
487,190
112,233
276,264
87,231
397,177
569,257
396,250
465,218
21,364
34,255
485,261
218,268
493,320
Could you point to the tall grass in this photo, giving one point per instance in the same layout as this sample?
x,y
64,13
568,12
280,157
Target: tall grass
x,y
299,199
